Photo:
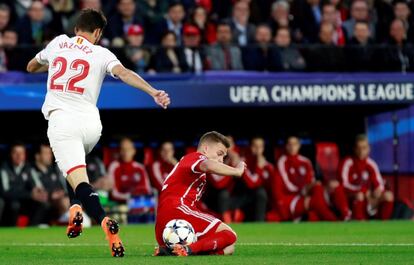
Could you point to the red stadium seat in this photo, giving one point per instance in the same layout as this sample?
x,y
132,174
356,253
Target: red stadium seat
x,y
109,154
327,157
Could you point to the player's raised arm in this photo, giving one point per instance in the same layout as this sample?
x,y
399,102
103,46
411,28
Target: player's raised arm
x,y
133,79
211,166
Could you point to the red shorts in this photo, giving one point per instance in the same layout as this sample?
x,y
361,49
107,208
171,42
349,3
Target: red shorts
x,y
203,224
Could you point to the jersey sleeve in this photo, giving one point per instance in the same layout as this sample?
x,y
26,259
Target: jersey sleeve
x,y
110,61
195,164
43,57
375,175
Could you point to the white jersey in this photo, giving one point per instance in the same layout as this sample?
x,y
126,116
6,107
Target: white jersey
x,y
77,69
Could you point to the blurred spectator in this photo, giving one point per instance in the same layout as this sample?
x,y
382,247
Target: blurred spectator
x,y
173,21
93,4
17,57
61,11
342,8
242,31
262,56
134,51
223,55
194,54
207,29
309,16
3,58
359,53
326,56
119,23
18,190
32,28
400,55
152,12
402,11
296,189
48,177
364,184
281,18
163,165
257,179
169,57
4,17
291,58
331,15
359,12
129,177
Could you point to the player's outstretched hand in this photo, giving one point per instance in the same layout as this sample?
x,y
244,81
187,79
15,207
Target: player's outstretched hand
x,y
241,167
162,99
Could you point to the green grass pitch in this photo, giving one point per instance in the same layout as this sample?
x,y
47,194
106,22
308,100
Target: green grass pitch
x,y
284,243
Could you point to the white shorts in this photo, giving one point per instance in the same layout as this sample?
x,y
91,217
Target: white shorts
x,y
72,137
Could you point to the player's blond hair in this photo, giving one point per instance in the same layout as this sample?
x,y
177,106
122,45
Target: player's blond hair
x,y
214,137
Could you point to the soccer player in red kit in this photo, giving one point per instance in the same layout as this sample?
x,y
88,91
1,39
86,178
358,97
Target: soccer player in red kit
x,y
184,187
298,190
364,184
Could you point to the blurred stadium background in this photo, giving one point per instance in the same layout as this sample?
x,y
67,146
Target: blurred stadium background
x,y
324,71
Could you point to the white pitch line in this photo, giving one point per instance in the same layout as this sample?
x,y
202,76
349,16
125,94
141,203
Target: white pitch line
x,y
281,244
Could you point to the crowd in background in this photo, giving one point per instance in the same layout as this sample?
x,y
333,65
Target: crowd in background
x,y
198,35
282,188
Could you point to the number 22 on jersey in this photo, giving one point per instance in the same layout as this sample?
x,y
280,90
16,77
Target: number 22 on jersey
x,y
61,63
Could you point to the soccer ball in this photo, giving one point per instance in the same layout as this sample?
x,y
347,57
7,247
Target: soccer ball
x,y
178,231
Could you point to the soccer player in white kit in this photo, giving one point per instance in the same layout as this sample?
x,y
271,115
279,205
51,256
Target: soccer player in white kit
x,y
77,67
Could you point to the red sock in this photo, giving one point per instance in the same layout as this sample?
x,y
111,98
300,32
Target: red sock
x,y
358,210
319,205
340,202
386,210
215,242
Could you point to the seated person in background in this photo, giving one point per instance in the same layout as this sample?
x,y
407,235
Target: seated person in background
x,y
223,55
18,190
299,192
291,58
134,51
326,56
194,53
129,177
219,191
163,165
169,57
261,56
48,177
256,178
359,54
364,185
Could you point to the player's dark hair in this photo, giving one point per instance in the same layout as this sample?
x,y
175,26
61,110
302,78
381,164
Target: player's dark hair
x,y
89,20
215,137
39,146
174,4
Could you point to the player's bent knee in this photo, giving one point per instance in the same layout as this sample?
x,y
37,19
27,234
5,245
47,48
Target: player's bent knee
x,y
229,250
388,196
333,184
232,236
359,196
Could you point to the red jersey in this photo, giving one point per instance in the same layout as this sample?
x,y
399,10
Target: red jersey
x,y
295,172
129,179
220,182
158,171
360,175
185,184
